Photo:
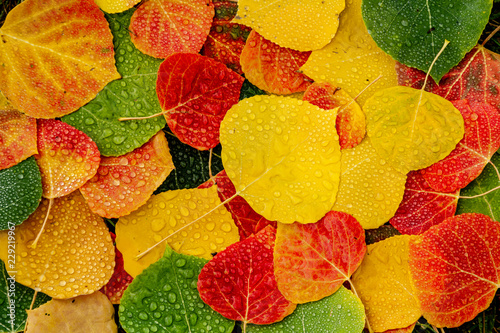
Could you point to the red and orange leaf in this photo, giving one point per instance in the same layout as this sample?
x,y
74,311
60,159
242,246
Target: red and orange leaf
x,y
67,157
120,279
226,39
246,219
273,68
160,28
56,56
239,282
351,120
312,261
422,207
124,183
195,93
476,78
481,140
17,137
455,268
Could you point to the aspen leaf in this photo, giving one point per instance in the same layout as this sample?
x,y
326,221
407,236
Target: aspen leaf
x,y
88,313
302,25
457,278
124,183
55,56
352,60
412,129
4,103
383,284
172,214
312,261
239,282
370,189
74,255
283,157
17,137
116,6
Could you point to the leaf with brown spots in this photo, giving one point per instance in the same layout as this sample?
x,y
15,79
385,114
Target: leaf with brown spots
x,y
17,137
160,28
74,255
124,183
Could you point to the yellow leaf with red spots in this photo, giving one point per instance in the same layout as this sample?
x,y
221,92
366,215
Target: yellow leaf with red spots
x,y
17,137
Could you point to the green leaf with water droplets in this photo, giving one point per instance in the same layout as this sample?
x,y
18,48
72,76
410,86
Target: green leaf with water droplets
x,y
134,95
20,297
340,312
413,32
164,297
20,192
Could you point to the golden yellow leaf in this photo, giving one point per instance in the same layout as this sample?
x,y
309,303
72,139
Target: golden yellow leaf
x,y
172,213
283,156
74,255
370,189
116,6
4,103
383,284
302,25
352,60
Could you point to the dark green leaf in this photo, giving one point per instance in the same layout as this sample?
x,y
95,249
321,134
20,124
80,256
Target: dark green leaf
x,y
249,90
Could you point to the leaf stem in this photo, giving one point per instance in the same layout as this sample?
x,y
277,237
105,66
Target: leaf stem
x,y
479,195
446,42
491,35
33,245
353,289
141,118
360,93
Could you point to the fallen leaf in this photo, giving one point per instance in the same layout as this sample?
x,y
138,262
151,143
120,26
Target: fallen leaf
x,y
74,255
312,261
4,103
20,192
116,6
56,56
350,123
239,282
302,25
124,183
282,156
195,93
17,137
454,268
412,129
273,68
383,284
194,221
164,296
89,313
67,157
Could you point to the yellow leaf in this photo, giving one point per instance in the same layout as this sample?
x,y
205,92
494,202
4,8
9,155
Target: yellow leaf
x,y
172,213
116,6
370,189
89,313
383,284
4,103
74,255
283,156
302,25
412,129
352,60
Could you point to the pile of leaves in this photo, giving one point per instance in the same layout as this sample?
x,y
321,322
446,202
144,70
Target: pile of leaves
x,y
261,166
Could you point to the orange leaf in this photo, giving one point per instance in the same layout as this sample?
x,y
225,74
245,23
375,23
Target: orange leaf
x,y
56,56
17,137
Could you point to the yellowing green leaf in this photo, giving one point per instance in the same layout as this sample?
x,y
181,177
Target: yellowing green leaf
x,y
116,6
283,156
370,189
383,284
352,60
302,25
411,128
172,213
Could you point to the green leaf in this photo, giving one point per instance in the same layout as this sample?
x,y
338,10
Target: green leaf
x,y
340,312
413,32
134,95
165,298
20,297
20,192
249,90
191,165
488,204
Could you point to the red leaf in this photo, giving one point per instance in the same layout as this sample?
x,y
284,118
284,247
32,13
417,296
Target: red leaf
x,y
161,28
472,153
195,93
455,267
239,282
422,207
273,68
313,260
17,138
67,157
